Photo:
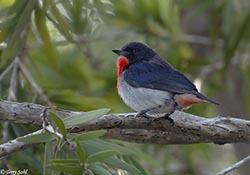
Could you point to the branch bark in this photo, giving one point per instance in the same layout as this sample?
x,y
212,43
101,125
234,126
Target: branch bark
x,y
187,129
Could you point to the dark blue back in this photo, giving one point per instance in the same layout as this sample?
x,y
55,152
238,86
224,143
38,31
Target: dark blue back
x,y
158,74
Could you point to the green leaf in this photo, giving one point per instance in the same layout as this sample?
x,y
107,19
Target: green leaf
x,y
98,168
59,123
134,162
37,138
96,145
13,32
85,117
48,155
90,135
80,152
60,21
42,28
140,154
97,157
120,164
66,161
67,169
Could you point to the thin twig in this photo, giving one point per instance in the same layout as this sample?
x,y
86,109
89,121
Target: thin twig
x,y
6,71
198,39
14,80
234,166
35,86
15,145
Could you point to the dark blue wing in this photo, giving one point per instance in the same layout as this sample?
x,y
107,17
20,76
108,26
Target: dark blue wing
x,y
158,76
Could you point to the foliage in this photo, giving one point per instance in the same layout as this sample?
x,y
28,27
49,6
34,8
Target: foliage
x,y
64,49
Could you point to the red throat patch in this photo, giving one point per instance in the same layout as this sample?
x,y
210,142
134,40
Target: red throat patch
x,y
121,63
185,100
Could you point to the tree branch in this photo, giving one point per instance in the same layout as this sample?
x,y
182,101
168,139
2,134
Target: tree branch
x,y
234,166
186,130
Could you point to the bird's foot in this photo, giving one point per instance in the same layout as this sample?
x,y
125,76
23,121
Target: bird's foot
x,y
166,117
128,115
150,118
145,115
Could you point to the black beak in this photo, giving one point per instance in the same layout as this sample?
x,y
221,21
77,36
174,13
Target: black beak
x,y
120,52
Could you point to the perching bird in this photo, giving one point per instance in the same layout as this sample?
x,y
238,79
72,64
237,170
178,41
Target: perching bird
x,y
150,85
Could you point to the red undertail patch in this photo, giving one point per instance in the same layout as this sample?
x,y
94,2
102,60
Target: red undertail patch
x,y
186,100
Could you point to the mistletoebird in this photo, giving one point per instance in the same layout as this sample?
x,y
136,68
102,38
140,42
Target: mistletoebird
x,y
150,85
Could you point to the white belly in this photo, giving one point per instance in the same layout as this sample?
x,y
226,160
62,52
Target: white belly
x,y
141,98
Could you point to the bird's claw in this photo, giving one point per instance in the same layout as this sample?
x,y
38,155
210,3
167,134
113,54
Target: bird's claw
x,y
144,115
150,119
166,117
170,120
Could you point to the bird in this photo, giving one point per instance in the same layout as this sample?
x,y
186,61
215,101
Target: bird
x,y
151,86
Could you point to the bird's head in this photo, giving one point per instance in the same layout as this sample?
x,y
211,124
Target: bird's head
x,y
134,52
131,53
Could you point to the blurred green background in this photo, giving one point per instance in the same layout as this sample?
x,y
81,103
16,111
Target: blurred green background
x,y
65,46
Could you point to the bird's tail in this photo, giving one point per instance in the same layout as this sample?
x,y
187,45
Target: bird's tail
x,y
203,97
